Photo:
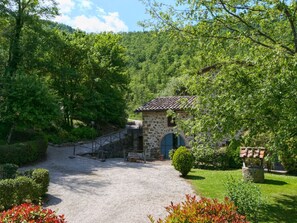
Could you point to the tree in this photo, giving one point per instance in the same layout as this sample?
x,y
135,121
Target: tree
x,y
27,102
154,63
19,13
106,80
88,72
246,77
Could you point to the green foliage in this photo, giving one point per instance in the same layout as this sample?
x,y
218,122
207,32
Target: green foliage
x,y
23,153
183,160
17,191
171,153
204,156
30,213
233,151
245,72
278,191
85,72
203,210
7,193
288,155
246,196
156,65
65,135
21,15
26,189
84,132
59,136
41,177
88,72
221,158
8,171
27,101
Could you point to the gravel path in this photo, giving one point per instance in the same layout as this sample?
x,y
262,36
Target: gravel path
x,y
89,191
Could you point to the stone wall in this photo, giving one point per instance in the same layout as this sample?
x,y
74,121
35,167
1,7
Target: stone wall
x,y
155,127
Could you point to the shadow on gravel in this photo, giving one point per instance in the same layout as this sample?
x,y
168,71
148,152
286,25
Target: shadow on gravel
x,y
51,200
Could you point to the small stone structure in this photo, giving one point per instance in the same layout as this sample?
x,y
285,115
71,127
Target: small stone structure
x,y
158,128
252,168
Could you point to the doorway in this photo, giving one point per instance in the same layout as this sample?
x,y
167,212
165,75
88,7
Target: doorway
x,y
171,141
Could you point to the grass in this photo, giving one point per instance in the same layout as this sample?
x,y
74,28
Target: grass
x,y
279,192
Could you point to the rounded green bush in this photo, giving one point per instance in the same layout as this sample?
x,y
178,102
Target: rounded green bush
x,y
41,177
183,160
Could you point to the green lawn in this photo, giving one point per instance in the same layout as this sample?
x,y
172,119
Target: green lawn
x,y
279,192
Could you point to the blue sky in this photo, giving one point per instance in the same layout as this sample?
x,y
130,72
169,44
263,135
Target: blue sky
x,y
102,15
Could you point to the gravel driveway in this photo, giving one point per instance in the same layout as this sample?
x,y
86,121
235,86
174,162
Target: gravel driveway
x,y
89,191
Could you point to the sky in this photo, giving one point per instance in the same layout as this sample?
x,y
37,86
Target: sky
x,y
102,15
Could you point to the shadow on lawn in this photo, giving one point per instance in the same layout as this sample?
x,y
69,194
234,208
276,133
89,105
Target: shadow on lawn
x,y
274,182
284,209
193,177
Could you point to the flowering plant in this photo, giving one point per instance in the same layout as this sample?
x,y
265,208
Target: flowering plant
x,y
202,211
30,213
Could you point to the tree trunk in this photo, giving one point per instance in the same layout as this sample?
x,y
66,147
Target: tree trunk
x,y
10,134
14,49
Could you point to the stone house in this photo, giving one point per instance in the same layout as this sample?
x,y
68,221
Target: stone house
x,y
159,134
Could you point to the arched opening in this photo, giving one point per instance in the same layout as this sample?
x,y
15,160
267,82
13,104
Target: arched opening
x,y
171,141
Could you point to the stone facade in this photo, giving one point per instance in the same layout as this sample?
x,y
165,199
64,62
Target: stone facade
x,y
155,127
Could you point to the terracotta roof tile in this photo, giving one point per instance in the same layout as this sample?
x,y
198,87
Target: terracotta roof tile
x,y
166,103
252,152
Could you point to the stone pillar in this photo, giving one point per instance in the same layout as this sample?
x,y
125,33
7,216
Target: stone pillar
x,y
255,174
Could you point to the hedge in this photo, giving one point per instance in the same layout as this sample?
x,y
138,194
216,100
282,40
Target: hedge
x,y
41,177
23,153
17,191
8,171
29,187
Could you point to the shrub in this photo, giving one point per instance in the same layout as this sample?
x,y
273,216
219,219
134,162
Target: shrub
x,y
26,189
17,191
84,133
218,158
8,171
171,153
204,157
246,196
288,155
30,213
183,160
6,193
41,177
202,211
23,153
233,150
61,135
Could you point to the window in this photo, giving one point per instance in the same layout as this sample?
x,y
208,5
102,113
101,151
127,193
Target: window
x,y
171,121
